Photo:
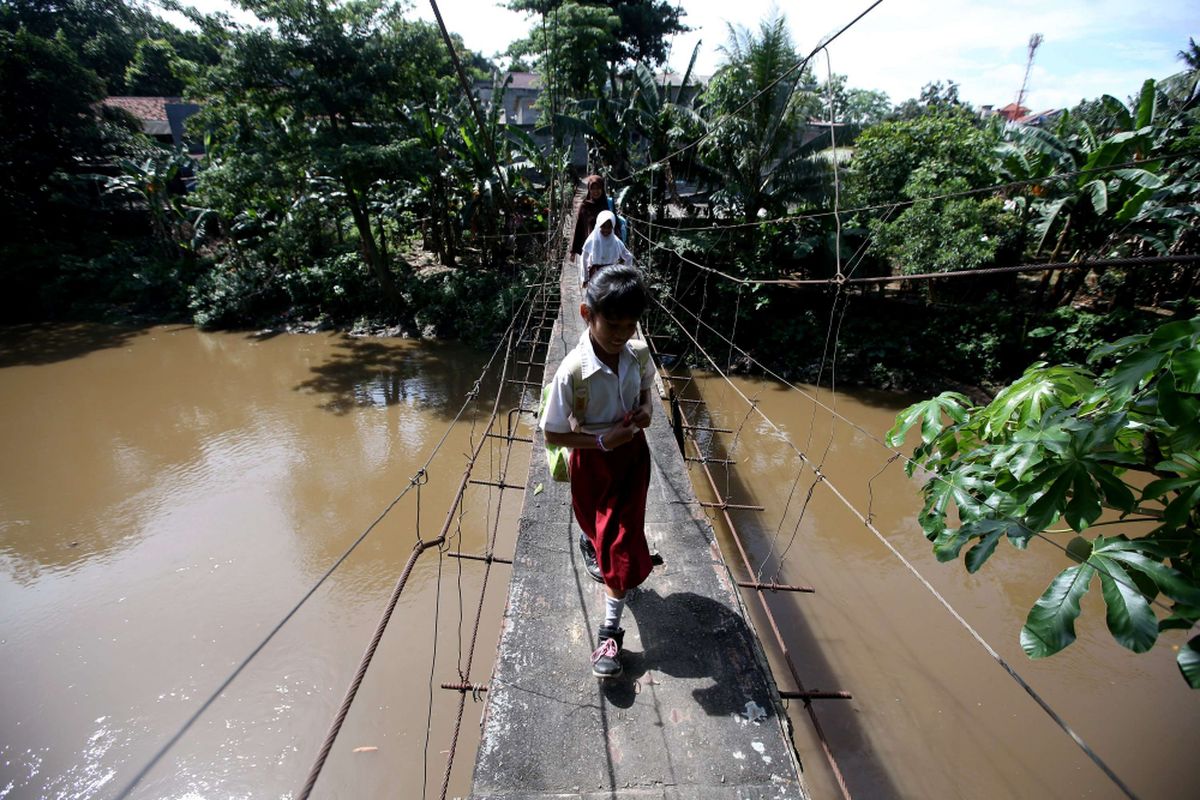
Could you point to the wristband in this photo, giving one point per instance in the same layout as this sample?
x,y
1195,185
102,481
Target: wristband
x,y
600,443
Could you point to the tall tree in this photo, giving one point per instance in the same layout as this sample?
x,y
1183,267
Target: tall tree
x,y
756,105
597,41
103,33
327,86
46,122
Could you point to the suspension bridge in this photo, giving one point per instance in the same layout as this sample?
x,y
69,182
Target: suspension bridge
x,y
696,712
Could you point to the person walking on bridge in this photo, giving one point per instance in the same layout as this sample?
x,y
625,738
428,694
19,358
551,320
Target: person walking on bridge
x,y
594,201
602,248
598,404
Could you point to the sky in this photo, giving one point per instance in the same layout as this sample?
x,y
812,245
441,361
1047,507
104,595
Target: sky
x,y
1090,47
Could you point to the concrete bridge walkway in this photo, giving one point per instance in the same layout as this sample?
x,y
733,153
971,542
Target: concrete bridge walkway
x,y
695,713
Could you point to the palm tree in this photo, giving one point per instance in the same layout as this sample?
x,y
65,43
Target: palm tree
x,y
757,104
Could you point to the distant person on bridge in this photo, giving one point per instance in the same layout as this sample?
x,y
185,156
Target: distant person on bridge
x,y
601,422
594,201
603,248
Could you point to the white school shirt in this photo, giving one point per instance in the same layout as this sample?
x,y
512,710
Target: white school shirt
x,y
608,398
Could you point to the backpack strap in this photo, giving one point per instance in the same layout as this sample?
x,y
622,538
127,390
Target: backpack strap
x,y
642,350
579,385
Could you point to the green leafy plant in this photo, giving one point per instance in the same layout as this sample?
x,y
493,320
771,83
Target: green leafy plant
x,y
1063,442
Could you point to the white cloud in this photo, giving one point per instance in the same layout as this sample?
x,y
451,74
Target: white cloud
x,y
1091,47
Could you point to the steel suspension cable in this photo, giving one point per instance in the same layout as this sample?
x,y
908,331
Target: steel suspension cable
x,y
908,565
996,187
1033,267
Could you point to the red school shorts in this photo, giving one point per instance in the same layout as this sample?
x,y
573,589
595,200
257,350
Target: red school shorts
x,y
608,496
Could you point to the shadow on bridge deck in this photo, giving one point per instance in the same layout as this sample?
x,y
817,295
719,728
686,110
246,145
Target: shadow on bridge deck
x,y
675,724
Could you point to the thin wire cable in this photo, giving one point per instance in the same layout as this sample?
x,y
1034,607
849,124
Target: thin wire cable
x,y
933,591
1043,267
437,609
837,186
186,726
995,187
797,67
933,476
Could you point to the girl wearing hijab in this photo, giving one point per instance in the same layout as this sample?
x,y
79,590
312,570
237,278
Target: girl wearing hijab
x,y
594,201
602,248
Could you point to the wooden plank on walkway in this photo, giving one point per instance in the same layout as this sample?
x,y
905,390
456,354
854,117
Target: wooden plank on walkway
x,y
695,713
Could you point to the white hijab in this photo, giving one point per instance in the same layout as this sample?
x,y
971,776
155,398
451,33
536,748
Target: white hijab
x,y
601,249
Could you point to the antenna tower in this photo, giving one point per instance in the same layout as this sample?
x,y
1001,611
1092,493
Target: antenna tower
x,y
1035,41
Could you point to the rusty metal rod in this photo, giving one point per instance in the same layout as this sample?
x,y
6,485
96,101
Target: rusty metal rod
x,y
498,484
676,377
813,695
687,427
508,438
524,383
478,557
737,506
466,687
775,587
705,460
787,656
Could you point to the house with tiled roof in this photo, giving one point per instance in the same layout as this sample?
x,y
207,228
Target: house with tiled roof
x,y
161,117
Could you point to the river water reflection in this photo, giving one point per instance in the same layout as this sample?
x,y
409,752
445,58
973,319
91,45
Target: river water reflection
x,y
168,495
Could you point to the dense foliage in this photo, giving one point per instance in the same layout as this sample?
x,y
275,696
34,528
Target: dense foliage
x,y
1065,444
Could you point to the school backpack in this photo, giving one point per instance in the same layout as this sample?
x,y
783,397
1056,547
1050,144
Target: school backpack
x,y
620,226
557,457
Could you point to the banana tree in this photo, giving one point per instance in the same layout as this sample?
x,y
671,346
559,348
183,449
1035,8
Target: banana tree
x,y
1101,194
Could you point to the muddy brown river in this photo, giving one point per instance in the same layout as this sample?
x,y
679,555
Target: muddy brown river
x,y
167,496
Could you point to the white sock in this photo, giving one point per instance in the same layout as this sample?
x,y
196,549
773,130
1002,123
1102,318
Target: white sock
x,y
612,611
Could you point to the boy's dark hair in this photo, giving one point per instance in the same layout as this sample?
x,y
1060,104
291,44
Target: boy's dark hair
x,y
617,292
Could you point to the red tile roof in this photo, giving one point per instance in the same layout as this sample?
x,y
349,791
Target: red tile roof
x,y
144,108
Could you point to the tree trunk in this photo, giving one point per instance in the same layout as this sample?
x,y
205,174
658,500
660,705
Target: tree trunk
x,y
370,252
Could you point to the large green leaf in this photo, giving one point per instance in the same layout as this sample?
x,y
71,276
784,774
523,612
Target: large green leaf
x,y
1142,178
1134,370
1029,397
1050,625
1133,205
1147,103
1047,508
1185,369
960,487
1133,555
982,551
929,413
1129,617
1176,409
1084,506
1189,662
1050,212
1097,190
1018,458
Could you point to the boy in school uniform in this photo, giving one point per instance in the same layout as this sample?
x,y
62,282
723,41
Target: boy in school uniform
x,y
602,423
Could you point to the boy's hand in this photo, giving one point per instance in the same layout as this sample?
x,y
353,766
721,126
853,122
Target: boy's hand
x,y
639,416
621,433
